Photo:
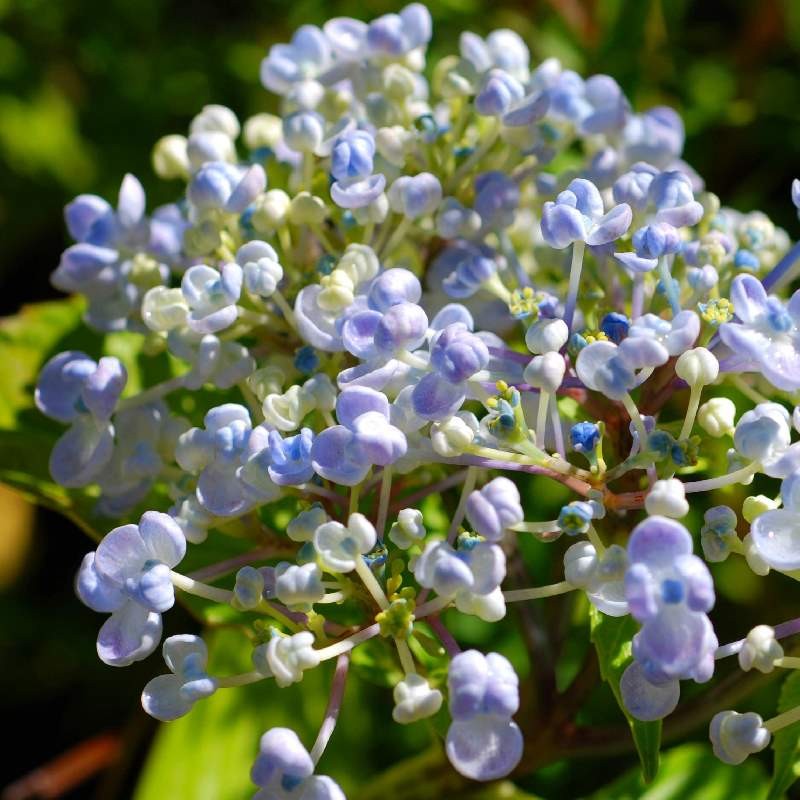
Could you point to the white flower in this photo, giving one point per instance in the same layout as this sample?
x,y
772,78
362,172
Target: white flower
x,y
697,366
667,498
414,699
546,372
339,546
408,529
716,417
601,578
302,527
760,650
547,336
452,436
286,657
298,585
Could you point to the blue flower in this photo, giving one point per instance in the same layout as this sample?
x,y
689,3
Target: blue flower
x,y
129,576
584,436
767,332
456,355
344,453
304,58
472,266
483,742
290,458
168,697
577,215
669,590
495,508
284,768
227,455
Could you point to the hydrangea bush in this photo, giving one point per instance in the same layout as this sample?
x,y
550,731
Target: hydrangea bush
x,y
352,338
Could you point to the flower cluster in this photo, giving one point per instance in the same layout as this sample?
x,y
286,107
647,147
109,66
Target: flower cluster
x,y
397,290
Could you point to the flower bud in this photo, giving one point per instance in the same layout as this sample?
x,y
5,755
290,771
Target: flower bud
x,y
216,118
170,158
408,529
668,499
716,416
735,736
545,372
164,309
546,336
698,366
306,209
580,564
755,505
393,143
249,588
414,699
452,436
262,130
271,210
302,527
286,657
760,650
304,131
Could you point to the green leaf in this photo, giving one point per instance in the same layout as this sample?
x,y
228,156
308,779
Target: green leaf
x,y
786,742
612,639
688,772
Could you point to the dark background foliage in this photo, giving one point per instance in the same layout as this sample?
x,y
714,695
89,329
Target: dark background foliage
x,y
86,87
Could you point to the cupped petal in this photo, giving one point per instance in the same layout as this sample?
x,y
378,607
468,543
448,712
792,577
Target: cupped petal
x,y
162,537
749,298
611,226
435,398
79,456
484,748
130,634
95,589
658,541
162,699
776,536
644,700
121,554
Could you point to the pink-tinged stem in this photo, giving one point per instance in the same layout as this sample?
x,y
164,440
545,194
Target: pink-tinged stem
x,y
445,637
334,705
782,630
230,564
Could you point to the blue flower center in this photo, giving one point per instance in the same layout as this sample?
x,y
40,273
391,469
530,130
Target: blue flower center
x,y
672,591
778,318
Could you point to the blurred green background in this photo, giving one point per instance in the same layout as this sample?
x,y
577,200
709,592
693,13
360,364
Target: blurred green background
x,y
86,87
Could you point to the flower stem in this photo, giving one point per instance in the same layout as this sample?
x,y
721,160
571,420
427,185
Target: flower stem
x,y
669,288
334,705
538,592
458,516
383,501
783,720
738,476
574,282
200,589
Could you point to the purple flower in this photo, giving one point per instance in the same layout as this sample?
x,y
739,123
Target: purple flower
x,y
669,590
129,576
577,215
766,332
495,508
456,355
304,58
168,697
344,453
290,458
483,742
